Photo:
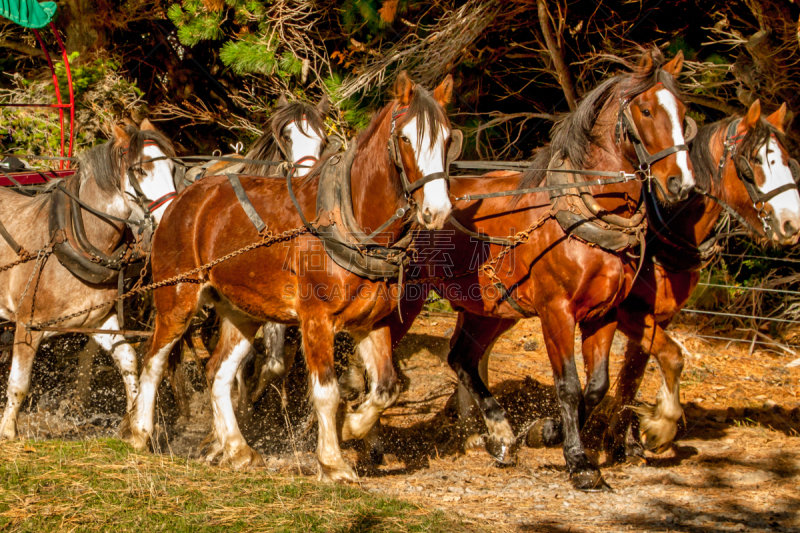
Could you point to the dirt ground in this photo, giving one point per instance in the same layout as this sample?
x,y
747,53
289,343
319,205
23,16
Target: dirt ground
x,y
735,465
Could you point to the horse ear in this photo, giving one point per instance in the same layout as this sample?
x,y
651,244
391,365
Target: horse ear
x,y
146,125
777,118
120,135
324,105
444,92
282,101
403,88
646,62
674,67
751,118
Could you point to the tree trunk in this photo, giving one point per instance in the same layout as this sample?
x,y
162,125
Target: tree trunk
x,y
83,31
557,54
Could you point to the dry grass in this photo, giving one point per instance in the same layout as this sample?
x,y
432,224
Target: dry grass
x,y
98,484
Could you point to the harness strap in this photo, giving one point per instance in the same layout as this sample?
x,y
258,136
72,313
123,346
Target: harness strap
x,y
400,213
617,177
245,202
480,236
412,187
9,239
155,204
97,213
731,211
507,297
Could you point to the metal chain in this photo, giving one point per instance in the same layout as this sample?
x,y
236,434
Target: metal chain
x,y
268,239
490,269
24,258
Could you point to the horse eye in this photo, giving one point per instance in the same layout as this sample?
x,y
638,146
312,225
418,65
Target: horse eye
x,y
646,113
404,138
759,160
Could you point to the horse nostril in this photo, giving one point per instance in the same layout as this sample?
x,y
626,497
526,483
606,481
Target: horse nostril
x,y
674,185
426,215
789,229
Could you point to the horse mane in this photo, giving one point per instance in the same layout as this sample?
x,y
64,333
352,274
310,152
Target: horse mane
x,y
706,165
266,148
423,107
572,134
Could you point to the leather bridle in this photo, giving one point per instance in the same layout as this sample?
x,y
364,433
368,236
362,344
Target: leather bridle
x,y
625,126
147,205
745,172
409,188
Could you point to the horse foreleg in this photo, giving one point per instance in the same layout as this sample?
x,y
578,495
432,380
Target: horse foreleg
x,y
558,326
375,352
476,335
123,354
318,347
19,380
618,449
659,423
275,364
235,342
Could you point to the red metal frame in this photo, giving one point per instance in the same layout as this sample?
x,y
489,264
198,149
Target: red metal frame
x,y
61,106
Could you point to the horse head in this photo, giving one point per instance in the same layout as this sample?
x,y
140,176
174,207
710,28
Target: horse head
x,y
147,179
654,122
768,176
420,136
299,131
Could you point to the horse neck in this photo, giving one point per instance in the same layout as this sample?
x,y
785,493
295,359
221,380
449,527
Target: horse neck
x,y
103,234
374,180
605,154
696,218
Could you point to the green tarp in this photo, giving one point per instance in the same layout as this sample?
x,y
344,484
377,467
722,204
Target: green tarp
x,y
28,13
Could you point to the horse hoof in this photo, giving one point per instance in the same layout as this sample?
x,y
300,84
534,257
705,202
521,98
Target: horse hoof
x,y
243,459
340,474
545,433
139,442
502,452
634,454
589,481
9,432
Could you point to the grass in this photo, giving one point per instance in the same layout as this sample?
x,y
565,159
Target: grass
x,y
96,485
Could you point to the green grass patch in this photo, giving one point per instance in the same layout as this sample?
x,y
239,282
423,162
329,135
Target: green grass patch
x,y
97,485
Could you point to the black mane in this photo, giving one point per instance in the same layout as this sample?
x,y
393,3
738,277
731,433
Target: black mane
x,y
705,164
572,134
266,148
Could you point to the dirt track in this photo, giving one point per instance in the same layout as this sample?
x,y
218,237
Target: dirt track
x,y
735,467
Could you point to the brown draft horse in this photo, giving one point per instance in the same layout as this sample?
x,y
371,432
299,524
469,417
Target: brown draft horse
x,y
679,248
294,133
295,283
43,290
562,280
